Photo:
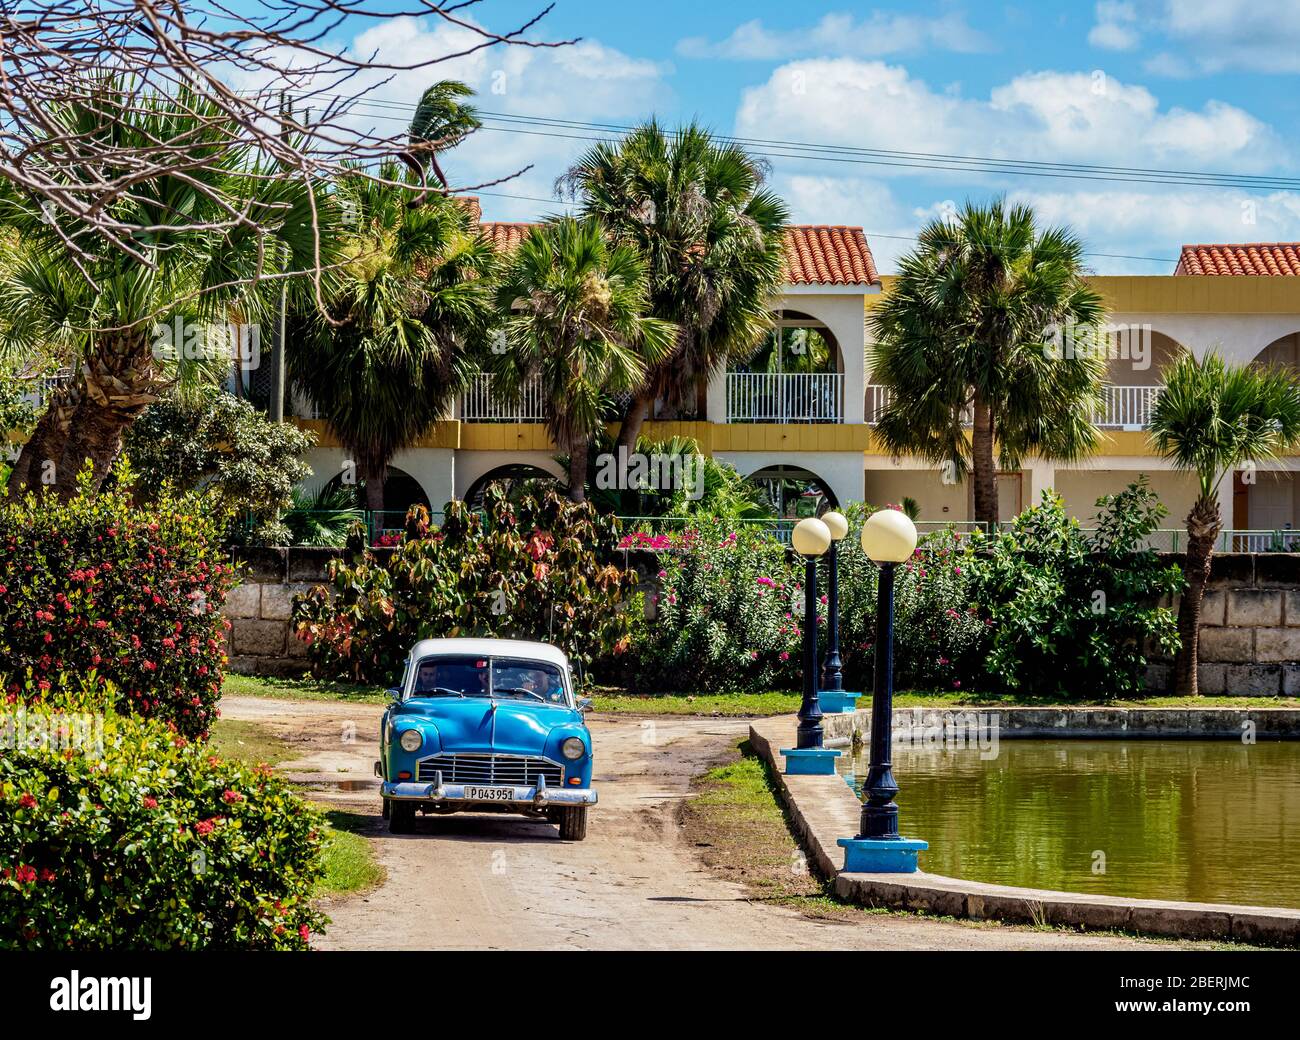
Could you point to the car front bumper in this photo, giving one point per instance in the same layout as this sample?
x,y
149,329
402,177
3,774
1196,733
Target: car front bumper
x,y
523,797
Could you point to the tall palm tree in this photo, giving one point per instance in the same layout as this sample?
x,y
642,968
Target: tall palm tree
x,y
712,238
103,314
408,311
967,329
1209,419
441,121
576,306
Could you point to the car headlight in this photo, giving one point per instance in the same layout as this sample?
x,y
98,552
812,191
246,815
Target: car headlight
x,y
573,747
411,739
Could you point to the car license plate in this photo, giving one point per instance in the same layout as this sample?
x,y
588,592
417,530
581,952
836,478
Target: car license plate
x,y
490,794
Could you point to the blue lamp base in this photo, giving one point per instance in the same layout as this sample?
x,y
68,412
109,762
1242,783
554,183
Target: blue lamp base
x,y
810,761
877,856
837,702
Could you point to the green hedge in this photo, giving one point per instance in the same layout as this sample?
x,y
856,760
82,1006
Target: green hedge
x,y
118,833
130,596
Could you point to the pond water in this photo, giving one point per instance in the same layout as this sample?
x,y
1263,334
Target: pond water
x,y
1208,821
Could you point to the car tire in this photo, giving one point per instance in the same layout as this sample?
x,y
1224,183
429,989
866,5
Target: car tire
x,y
401,817
573,823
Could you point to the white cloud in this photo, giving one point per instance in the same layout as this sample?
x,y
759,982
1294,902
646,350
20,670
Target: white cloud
x,y
1046,116
1245,35
881,33
587,81
1116,28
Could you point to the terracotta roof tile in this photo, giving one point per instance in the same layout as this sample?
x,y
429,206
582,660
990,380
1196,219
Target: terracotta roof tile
x,y
828,254
1250,258
814,254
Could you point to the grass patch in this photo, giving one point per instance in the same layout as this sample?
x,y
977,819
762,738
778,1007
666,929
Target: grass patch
x,y
350,863
737,823
302,689
249,742
735,704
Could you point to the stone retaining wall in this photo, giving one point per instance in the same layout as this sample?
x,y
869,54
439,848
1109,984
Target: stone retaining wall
x,y
259,641
1250,628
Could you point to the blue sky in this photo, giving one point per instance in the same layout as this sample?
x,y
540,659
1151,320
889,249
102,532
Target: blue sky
x,y
1199,85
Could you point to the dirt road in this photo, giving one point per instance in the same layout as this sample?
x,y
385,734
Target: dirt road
x,y
498,882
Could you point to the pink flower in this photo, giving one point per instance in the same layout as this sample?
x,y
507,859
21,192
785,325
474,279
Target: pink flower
x,y
149,802
785,655
231,797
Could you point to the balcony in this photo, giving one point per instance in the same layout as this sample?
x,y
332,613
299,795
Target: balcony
x,y
785,397
1123,407
480,405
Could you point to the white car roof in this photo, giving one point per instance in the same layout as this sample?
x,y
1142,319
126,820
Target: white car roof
x,y
489,648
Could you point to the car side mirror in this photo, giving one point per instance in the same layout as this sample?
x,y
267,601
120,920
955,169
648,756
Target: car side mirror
x,y
584,704
394,694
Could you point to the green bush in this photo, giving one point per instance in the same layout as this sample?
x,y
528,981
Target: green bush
x,y
728,615
118,833
730,610
1072,614
940,637
525,569
246,465
131,597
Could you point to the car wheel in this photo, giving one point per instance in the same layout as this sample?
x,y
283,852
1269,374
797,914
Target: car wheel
x,y
386,809
573,823
401,817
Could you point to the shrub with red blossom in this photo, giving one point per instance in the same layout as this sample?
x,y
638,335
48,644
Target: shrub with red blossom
x,y
128,596
119,834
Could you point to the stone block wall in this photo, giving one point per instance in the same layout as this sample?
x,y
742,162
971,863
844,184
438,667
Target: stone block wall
x,y
1250,628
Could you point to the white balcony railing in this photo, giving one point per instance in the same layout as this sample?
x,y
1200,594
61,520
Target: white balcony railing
x,y
1123,407
480,404
789,397
1127,407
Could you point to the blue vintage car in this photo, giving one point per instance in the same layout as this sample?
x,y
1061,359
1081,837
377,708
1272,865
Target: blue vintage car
x,y
486,725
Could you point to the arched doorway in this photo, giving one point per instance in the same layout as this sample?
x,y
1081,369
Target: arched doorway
x,y
401,491
510,479
794,492
795,375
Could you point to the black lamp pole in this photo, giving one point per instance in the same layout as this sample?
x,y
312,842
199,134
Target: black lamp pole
x,y
809,734
832,667
879,813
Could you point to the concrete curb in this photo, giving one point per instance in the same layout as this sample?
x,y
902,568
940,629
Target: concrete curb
x,y
823,809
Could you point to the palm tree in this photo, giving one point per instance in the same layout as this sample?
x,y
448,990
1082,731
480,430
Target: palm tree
x,y
712,237
576,308
408,312
966,329
441,121
1209,419
103,314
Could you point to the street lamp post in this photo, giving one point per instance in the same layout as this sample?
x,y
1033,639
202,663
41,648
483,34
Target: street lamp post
x,y
810,538
888,538
832,667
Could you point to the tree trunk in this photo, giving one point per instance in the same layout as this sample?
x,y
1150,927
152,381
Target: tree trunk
x,y
702,398
1203,525
120,382
986,480
578,470
637,410
47,441
373,473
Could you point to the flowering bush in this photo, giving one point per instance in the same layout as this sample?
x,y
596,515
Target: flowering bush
x,y
940,637
130,596
1073,613
527,569
118,833
728,615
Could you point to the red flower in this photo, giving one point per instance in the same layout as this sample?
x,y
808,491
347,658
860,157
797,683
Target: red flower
x,y
231,797
304,931
25,875
27,802
149,802
203,827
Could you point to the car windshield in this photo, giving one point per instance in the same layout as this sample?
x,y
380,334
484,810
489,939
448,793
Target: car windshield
x,y
504,676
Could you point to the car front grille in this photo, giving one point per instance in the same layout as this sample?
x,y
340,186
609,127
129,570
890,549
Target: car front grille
x,y
517,770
